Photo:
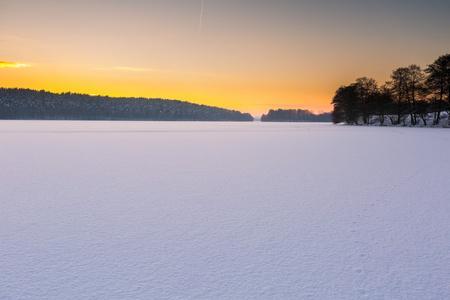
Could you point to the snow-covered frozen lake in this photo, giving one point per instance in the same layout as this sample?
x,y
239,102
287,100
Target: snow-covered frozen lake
x,y
180,210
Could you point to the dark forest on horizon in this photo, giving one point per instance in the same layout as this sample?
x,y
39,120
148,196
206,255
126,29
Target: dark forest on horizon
x,y
294,115
27,104
413,96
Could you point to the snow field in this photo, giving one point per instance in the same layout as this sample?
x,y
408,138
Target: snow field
x,y
181,210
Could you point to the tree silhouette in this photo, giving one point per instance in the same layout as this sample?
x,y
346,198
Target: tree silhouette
x,y
397,85
367,93
438,83
345,102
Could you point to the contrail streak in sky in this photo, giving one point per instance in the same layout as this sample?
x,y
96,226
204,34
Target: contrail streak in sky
x,y
201,17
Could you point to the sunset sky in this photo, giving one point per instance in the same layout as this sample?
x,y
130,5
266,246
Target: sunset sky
x,y
249,55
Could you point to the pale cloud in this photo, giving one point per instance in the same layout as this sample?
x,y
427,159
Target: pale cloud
x,y
5,64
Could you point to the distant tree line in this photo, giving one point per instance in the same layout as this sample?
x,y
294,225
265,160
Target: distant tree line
x,y
413,95
294,115
41,105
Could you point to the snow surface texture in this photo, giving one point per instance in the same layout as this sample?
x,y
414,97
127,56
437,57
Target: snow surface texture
x,y
151,210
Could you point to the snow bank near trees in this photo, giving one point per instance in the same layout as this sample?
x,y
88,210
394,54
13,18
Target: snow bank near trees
x,y
424,121
142,210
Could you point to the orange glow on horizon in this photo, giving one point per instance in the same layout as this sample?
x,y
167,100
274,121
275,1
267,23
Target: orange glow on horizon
x,y
230,92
